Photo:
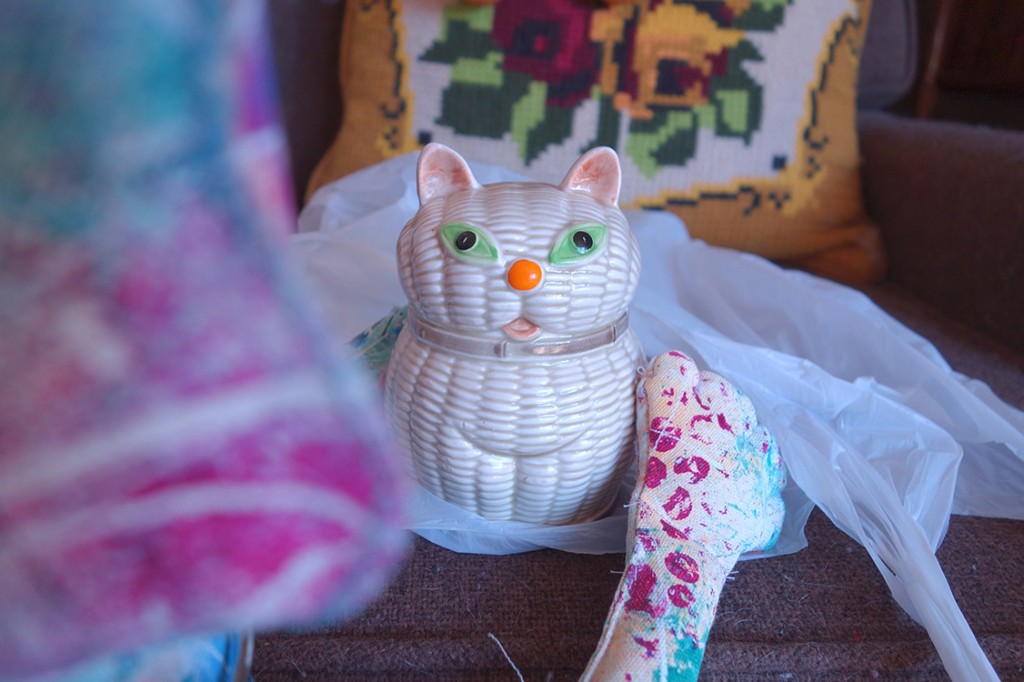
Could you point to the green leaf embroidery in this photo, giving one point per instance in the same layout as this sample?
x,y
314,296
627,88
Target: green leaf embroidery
x,y
733,112
527,114
481,18
669,139
608,118
737,96
745,51
554,126
482,110
485,71
679,147
762,15
705,114
465,33
771,4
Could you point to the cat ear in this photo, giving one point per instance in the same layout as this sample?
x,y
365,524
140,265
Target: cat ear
x,y
598,174
441,171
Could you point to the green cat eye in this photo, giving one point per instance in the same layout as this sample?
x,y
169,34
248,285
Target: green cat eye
x,y
469,243
578,244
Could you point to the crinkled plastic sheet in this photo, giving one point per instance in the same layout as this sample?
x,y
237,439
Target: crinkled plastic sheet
x,y
874,426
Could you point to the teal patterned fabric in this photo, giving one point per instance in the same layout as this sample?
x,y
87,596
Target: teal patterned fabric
x,y
376,344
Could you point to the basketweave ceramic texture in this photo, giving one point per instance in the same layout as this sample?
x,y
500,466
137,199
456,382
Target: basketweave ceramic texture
x,y
512,384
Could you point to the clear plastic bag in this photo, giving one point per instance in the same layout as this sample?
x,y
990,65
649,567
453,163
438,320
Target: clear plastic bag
x,y
874,426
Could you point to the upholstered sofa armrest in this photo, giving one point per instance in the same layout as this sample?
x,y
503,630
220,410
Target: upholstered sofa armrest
x,y
949,200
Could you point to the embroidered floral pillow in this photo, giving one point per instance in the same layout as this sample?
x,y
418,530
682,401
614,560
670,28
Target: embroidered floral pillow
x,y
738,115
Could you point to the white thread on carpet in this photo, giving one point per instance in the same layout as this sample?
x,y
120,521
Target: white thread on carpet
x,y
507,657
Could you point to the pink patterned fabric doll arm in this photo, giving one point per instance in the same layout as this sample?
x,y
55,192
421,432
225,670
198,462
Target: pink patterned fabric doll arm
x,y
709,490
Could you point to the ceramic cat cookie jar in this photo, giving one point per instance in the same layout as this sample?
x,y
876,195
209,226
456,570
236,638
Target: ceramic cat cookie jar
x,y
512,384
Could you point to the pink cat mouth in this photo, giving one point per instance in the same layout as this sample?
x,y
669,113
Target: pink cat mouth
x,y
521,329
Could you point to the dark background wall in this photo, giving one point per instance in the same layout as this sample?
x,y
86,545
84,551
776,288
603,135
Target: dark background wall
x,y
971,65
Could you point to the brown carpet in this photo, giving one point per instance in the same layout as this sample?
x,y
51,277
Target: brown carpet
x,y
822,614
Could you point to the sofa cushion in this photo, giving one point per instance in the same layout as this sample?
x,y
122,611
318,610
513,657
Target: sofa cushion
x,y
943,196
738,116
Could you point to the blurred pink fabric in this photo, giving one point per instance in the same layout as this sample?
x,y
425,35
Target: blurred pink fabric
x,y
182,450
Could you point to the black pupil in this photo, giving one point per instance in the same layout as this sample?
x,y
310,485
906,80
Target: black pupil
x,y
465,241
582,241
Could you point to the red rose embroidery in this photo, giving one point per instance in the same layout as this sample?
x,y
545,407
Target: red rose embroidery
x,y
549,40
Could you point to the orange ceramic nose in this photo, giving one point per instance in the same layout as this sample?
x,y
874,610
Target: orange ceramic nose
x,y
524,275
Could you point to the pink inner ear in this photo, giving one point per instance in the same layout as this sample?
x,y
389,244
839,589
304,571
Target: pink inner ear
x,y
598,173
441,171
